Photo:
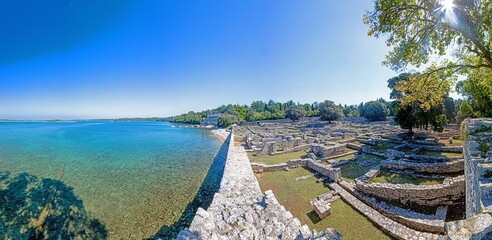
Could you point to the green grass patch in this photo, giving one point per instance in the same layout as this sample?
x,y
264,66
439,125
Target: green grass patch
x,y
388,177
295,197
347,157
441,154
381,148
276,159
353,170
456,142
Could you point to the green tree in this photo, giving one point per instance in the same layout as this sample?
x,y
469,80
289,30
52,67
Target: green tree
x,y
450,109
226,120
418,101
329,111
477,89
375,111
451,38
295,113
418,29
465,111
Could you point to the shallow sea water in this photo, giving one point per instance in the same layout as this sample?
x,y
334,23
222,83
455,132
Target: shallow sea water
x,y
132,177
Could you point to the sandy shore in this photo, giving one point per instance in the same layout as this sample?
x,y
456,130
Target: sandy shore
x,y
221,134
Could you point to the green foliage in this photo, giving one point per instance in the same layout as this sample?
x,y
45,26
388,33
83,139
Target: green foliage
x,y
295,113
450,109
477,88
351,111
226,120
418,101
258,110
422,32
375,111
465,111
329,111
418,29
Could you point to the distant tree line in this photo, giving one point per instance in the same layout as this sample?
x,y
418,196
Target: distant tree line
x,y
259,110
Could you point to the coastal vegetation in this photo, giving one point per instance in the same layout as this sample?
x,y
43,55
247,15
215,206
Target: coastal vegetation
x,y
327,110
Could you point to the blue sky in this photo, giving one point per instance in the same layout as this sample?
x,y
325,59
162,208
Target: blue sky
x,y
102,59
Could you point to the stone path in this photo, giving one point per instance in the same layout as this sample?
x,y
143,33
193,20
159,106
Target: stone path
x,y
395,229
241,211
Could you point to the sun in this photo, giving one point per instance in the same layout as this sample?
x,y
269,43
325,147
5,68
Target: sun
x,y
447,5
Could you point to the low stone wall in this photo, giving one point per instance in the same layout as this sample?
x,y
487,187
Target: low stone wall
x,y
475,162
295,149
341,155
454,149
368,150
260,167
427,158
393,228
454,166
414,220
334,174
447,193
322,151
241,211
477,227
353,146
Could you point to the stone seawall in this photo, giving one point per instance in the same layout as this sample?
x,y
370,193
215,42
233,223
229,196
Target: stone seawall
x,y
447,193
241,211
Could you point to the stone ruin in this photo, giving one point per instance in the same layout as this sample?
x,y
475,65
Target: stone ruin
x,y
323,152
478,197
322,203
385,204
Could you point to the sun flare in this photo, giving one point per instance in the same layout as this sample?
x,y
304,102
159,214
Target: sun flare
x,y
447,5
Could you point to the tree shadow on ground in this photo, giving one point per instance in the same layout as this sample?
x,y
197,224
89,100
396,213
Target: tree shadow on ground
x,y
203,198
35,208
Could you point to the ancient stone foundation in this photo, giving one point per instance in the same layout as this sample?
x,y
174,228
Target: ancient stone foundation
x,y
447,193
241,211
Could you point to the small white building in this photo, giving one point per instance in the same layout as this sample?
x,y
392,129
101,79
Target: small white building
x,y
211,119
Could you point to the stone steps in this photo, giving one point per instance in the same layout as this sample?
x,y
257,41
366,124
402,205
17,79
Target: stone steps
x,y
393,228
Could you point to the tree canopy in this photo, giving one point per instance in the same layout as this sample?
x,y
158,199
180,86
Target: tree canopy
x,y
329,111
448,37
375,111
418,29
295,113
419,102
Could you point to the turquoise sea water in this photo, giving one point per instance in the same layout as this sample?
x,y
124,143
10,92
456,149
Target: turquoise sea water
x,y
132,178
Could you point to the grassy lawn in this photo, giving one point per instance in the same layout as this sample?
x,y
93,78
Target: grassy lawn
x,y
387,177
348,157
295,197
383,147
456,142
276,159
353,170
445,154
